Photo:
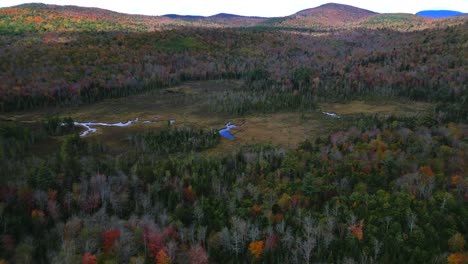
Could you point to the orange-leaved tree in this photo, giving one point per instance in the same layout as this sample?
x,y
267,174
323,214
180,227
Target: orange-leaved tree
x,y
256,248
357,230
457,258
162,257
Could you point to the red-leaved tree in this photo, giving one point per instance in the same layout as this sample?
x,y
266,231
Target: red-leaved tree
x,y
110,237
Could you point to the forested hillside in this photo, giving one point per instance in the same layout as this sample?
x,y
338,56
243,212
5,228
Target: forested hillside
x,y
349,142
64,69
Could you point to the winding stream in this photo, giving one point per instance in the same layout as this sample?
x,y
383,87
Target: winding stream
x,y
331,114
90,126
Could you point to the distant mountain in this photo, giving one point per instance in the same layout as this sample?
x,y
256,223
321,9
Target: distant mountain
x,y
30,18
225,15
69,10
327,15
332,10
235,20
438,13
44,18
183,17
221,19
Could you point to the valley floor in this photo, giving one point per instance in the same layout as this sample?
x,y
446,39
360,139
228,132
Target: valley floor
x,y
185,104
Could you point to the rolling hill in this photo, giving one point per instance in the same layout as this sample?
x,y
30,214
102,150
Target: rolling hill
x,y
221,19
42,18
324,16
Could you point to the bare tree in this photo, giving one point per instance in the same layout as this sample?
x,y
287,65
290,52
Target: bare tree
x,y
191,235
40,199
288,239
305,247
377,248
412,218
239,194
281,227
308,224
236,243
352,220
125,246
388,220
198,212
171,248
348,260
254,233
145,200
201,235
239,234
226,238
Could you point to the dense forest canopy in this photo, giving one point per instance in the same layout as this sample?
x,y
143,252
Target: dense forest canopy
x,y
372,189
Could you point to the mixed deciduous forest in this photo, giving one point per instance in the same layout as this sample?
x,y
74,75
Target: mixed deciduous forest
x,y
382,179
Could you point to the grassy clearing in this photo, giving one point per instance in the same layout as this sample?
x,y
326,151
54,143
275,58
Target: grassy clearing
x,y
185,104
400,108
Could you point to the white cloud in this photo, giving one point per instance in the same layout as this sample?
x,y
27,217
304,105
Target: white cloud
x,y
251,7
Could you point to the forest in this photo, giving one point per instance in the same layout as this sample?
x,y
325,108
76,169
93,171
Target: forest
x,y
363,187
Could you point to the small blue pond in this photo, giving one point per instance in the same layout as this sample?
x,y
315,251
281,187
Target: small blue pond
x,y
225,132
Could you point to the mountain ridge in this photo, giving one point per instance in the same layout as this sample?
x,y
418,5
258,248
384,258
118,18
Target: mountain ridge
x,y
439,13
39,17
304,12
327,15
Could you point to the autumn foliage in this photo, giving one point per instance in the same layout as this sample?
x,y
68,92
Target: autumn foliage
x,y
457,258
256,248
155,244
426,171
456,243
256,209
110,237
198,255
356,230
156,241
162,257
37,214
89,258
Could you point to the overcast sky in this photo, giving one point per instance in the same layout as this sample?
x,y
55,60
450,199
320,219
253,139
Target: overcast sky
x,y
268,8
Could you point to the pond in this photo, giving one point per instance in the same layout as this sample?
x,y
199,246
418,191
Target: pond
x,y
225,132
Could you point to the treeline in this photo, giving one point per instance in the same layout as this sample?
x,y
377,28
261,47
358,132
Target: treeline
x,y
377,192
259,95
173,140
